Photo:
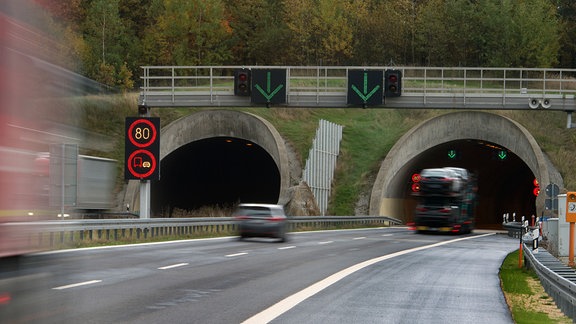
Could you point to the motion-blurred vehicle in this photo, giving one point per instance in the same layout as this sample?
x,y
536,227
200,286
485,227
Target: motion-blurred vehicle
x,y
261,220
443,205
440,180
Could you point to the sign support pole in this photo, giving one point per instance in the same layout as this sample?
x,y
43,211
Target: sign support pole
x,y
571,248
145,199
144,111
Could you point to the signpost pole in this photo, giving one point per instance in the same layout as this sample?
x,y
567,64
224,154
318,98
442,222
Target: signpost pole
x,y
571,249
145,199
144,184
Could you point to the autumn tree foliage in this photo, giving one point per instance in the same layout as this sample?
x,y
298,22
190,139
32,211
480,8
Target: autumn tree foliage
x,y
112,38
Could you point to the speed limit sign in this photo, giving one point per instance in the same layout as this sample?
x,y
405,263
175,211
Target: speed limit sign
x,y
142,148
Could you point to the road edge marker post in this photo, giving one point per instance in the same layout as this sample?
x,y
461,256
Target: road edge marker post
x,y
520,256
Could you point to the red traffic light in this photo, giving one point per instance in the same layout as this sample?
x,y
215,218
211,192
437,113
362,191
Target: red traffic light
x,y
416,177
242,82
392,83
415,187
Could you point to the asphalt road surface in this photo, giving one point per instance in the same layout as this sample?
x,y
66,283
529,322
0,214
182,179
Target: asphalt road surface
x,y
387,275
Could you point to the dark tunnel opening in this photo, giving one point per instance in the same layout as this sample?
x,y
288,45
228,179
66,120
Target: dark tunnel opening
x,y
505,182
218,171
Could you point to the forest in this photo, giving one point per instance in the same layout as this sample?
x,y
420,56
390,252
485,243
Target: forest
x,y
109,40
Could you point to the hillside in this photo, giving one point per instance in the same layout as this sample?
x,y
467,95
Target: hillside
x,y
368,136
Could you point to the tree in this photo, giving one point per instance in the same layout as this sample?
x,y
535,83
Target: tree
x,y
445,30
187,33
567,15
107,41
518,33
381,31
320,32
257,30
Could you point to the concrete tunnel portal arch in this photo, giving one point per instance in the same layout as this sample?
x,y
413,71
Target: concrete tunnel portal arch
x,y
217,158
504,185
222,157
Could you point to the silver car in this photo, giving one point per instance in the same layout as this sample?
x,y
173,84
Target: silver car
x,y
261,220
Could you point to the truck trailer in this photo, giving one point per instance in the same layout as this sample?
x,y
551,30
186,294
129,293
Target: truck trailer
x,y
446,200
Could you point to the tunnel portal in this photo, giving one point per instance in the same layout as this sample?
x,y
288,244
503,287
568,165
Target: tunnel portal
x,y
504,156
505,183
217,171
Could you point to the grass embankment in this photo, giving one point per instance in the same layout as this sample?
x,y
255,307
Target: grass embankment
x,y
525,296
368,135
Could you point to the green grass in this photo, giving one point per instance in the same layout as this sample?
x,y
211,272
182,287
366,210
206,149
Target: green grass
x,y
513,277
514,281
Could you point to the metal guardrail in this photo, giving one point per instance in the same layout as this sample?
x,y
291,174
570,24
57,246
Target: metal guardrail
x,y
327,86
64,232
558,280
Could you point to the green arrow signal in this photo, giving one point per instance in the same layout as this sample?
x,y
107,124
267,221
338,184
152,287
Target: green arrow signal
x,y
502,155
266,93
452,154
365,95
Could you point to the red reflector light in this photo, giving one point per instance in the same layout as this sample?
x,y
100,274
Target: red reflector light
x,y
276,219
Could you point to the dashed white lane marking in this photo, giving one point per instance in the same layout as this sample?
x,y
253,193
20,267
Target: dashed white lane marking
x,y
290,302
173,266
287,247
387,234
360,238
326,242
77,284
236,254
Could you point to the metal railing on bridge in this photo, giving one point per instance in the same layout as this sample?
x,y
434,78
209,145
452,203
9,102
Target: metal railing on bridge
x,y
323,86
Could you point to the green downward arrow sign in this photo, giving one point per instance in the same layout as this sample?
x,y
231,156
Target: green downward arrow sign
x,y
365,95
268,94
502,155
451,154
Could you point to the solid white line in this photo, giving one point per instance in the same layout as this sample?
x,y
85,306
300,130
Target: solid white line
x,y
77,284
287,247
289,302
173,266
326,242
236,254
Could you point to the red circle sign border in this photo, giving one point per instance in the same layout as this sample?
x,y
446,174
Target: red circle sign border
x,y
152,127
137,174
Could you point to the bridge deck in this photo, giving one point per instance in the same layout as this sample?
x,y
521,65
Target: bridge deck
x,y
422,87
